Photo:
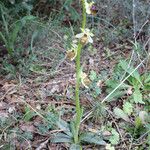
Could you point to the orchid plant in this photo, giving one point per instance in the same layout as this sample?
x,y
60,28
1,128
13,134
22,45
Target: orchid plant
x,y
71,131
83,38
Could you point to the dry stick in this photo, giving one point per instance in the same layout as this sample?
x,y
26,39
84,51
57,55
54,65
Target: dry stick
x,y
42,145
134,32
147,43
142,28
133,18
11,88
124,80
143,135
136,36
86,116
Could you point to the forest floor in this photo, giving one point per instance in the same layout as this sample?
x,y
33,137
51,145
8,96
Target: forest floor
x,y
29,104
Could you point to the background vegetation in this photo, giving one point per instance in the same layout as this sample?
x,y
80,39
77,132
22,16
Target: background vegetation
x,y
37,80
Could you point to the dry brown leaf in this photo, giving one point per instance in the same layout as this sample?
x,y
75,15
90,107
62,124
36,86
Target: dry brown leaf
x,y
27,127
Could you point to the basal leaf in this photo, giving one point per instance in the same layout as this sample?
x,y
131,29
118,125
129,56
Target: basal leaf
x,y
121,114
75,147
137,96
63,125
93,75
128,108
92,138
147,80
125,66
113,84
61,138
117,94
114,138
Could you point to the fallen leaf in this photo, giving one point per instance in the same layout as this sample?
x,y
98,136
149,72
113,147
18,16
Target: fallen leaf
x,y
28,127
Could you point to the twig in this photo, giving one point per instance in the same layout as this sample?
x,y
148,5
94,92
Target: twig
x,y
141,28
7,92
42,145
86,116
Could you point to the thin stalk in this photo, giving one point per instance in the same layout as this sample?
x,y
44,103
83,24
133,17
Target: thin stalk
x,y
83,14
78,107
77,88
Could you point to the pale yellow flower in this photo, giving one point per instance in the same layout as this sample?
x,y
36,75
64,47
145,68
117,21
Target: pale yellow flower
x,y
71,54
85,80
85,36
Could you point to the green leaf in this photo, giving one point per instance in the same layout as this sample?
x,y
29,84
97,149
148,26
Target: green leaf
x,y
138,123
121,114
114,138
128,108
143,115
61,138
113,84
73,128
92,138
44,128
93,75
34,35
13,36
37,69
117,94
129,69
137,96
147,87
97,90
29,114
67,3
147,79
26,18
28,135
3,38
75,147
63,125
74,14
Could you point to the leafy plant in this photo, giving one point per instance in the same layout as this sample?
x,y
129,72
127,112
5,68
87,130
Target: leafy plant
x,y
121,114
71,132
136,91
135,86
94,89
68,6
114,138
10,34
68,136
98,111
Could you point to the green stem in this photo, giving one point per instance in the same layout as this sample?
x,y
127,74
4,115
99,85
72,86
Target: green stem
x,y
78,107
83,14
78,69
